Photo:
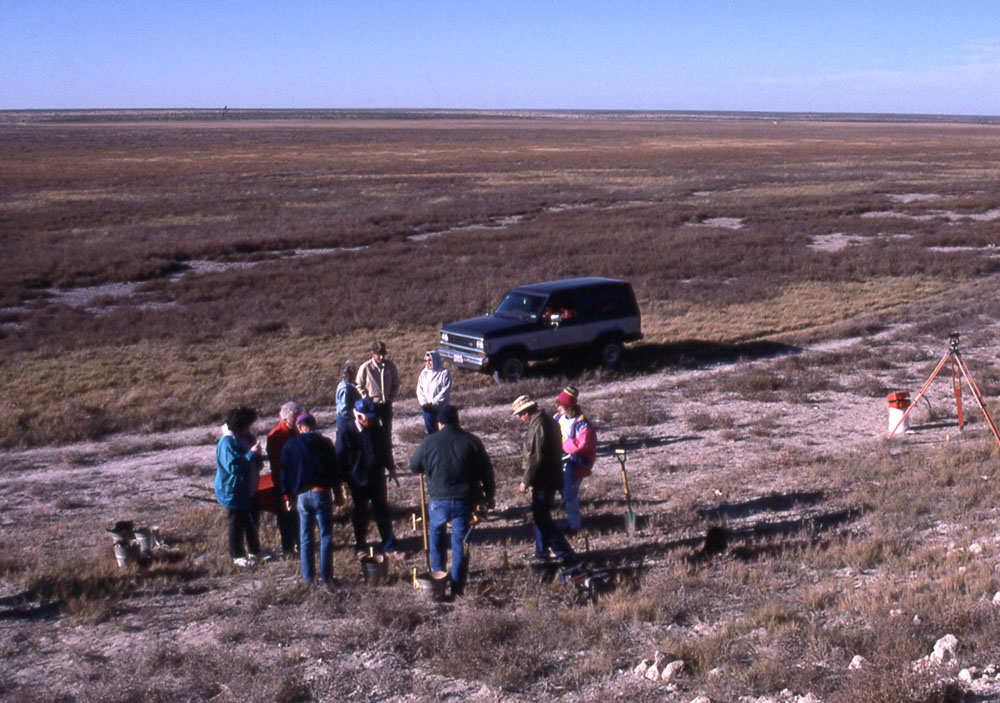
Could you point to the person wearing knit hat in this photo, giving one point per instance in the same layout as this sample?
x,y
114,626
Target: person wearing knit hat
x,y
579,447
540,456
310,478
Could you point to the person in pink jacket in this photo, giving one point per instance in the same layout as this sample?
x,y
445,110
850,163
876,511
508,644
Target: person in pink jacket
x,y
579,445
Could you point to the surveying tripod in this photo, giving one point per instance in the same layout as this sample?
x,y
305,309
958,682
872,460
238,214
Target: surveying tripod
x,y
958,369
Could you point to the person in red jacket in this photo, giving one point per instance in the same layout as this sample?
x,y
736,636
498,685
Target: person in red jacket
x,y
287,519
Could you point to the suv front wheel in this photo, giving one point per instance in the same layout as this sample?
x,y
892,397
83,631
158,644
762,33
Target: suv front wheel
x,y
509,369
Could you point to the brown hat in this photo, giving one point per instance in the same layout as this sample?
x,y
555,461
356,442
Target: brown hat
x,y
378,348
523,404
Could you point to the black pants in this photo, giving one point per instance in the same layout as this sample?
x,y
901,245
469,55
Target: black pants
x,y
373,493
384,412
243,524
288,528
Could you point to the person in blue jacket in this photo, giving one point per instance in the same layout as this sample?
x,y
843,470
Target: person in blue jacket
x,y
347,395
238,459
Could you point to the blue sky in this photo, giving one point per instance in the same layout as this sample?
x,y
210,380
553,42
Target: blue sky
x,y
916,56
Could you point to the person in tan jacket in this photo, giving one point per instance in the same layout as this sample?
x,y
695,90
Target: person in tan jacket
x,y
378,380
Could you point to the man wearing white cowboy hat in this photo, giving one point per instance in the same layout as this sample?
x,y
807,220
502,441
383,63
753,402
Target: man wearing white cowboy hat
x,y
542,462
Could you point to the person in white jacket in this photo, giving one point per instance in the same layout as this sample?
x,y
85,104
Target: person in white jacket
x,y
433,389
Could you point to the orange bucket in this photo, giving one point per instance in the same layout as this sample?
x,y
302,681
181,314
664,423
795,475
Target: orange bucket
x,y
899,400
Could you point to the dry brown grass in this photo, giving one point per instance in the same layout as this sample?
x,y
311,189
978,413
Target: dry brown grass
x,y
788,606
236,191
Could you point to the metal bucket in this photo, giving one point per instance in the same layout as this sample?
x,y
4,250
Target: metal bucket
x,y
375,569
433,584
144,536
126,554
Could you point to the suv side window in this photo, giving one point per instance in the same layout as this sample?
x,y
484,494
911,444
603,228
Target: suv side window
x,y
562,305
609,308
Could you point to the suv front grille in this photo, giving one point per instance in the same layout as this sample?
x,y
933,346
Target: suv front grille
x,y
460,340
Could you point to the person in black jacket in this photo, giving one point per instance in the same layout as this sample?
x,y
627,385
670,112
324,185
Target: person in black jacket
x,y
458,471
309,471
363,464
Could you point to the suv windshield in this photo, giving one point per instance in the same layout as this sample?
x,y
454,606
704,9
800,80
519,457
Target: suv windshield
x,y
520,305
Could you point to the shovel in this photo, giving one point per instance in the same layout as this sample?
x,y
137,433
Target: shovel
x,y
474,520
620,455
423,522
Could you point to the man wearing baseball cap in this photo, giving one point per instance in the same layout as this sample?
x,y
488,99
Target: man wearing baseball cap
x,y
378,380
363,464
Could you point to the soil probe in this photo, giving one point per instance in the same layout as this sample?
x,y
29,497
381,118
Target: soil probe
x,y
620,455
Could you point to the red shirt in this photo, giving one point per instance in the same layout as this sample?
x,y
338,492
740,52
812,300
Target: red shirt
x,y
276,439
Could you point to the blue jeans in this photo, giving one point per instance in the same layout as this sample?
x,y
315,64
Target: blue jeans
x,y
316,507
571,494
430,418
440,513
547,535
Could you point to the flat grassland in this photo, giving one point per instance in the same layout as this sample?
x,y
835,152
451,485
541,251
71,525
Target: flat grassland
x,y
790,273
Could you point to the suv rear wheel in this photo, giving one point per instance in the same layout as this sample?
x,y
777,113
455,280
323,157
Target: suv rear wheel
x,y
610,352
509,369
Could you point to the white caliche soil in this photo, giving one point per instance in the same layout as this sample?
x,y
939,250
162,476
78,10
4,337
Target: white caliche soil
x,y
59,500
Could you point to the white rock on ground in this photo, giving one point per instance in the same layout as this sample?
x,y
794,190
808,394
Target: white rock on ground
x,y
701,699
996,598
671,670
857,662
945,650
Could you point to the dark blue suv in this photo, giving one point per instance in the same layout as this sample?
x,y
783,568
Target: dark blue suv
x,y
545,320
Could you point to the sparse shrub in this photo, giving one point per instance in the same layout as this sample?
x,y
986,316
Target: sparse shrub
x,y
195,470
701,421
870,387
754,383
766,426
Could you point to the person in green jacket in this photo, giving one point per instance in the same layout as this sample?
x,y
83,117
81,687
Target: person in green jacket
x,y
541,458
459,473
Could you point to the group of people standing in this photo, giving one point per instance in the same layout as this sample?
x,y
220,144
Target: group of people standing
x,y
311,471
